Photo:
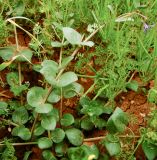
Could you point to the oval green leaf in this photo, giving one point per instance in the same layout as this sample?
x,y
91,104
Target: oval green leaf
x,y
54,96
86,124
47,155
66,79
48,122
67,120
75,136
73,90
25,55
22,132
44,143
61,149
72,35
58,135
36,96
49,70
44,108
20,115
39,130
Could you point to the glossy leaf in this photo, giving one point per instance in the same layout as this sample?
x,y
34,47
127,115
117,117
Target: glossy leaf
x,y
112,145
22,132
44,108
91,107
67,120
74,136
86,124
117,121
35,96
17,90
61,149
72,35
152,95
48,122
99,122
26,155
83,152
54,113
20,115
150,150
73,90
47,155
66,61
44,143
39,130
66,79
19,8
7,53
57,135
133,85
4,65
25,55
49,70
13,78
88,43
13,81
37,67
54,96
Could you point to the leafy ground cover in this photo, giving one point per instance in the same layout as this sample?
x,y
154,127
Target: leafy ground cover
x,y
78,80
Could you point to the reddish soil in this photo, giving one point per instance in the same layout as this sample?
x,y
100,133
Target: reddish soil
x,y
23,39
136,105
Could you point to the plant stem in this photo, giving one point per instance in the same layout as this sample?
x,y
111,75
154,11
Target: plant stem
x,y
100,91
20,144
102,137
19,64
61,104
34,123
9,122
91,35
139,142
86,76
61,53
32,36
90,89
3,95
49,134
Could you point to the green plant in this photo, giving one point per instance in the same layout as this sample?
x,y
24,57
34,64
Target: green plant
x,y
124,48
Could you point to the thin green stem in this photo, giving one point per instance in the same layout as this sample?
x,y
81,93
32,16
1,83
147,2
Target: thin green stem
x,y
9,122
86,76
61,104
20,144
19,64
100,91
90,89
142,45
32,36
102,137
61,53
139,142
34,123
49,134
